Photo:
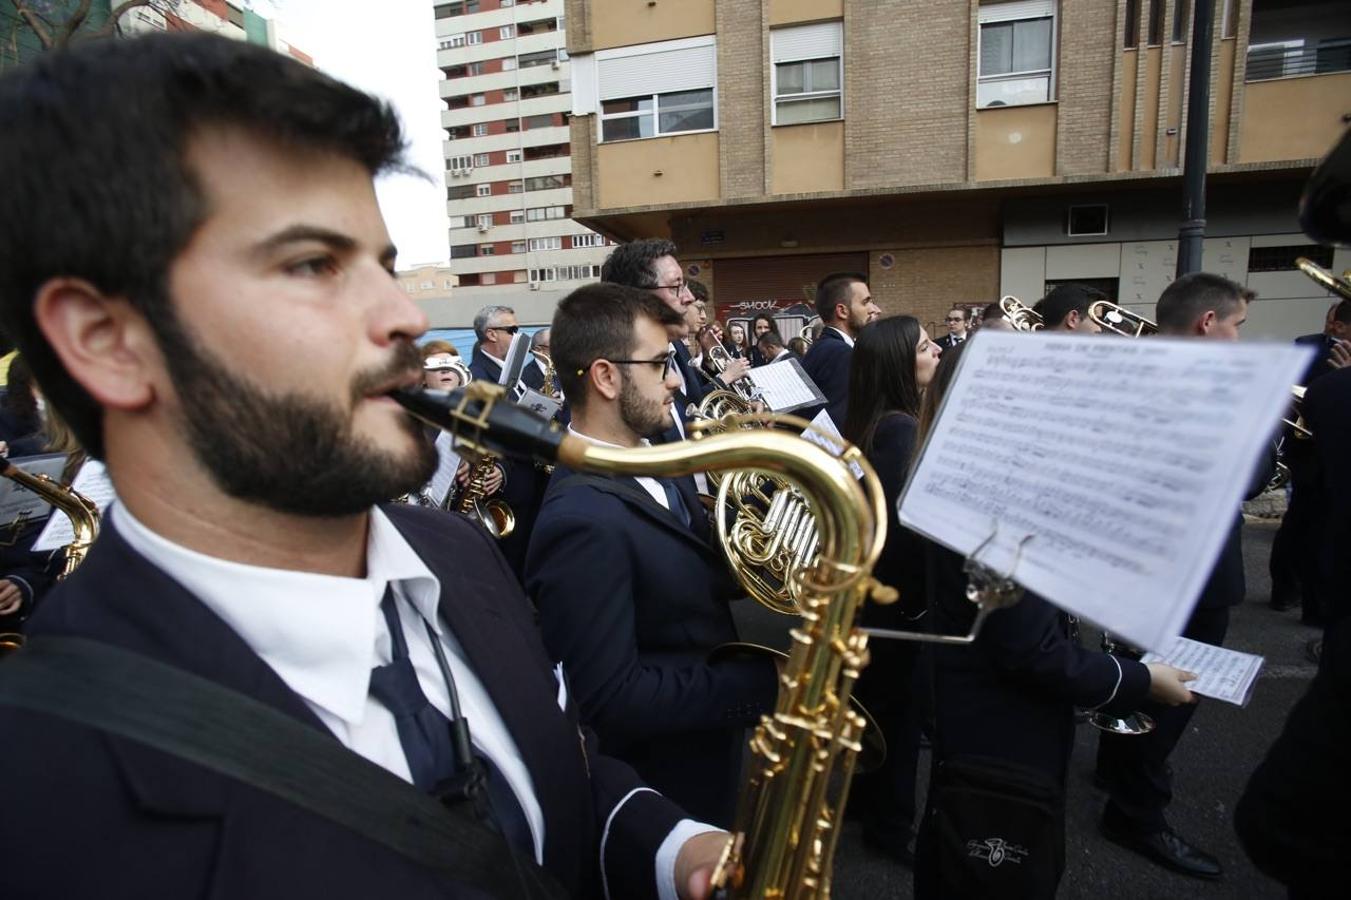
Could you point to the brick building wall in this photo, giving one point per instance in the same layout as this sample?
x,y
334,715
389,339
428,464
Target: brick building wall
x,y
1088,53
925,282
742,117
907,114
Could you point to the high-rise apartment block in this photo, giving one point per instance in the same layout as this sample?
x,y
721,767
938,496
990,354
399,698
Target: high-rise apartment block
x,y
217,16
507,90
955,150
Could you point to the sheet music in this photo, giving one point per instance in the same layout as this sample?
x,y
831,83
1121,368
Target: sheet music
x,y
786,386
831,441
17,500
1126,460
1226,675
93,482
443,479
518,354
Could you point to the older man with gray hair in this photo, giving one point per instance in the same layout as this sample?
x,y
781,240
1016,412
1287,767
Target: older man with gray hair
x,y
494,327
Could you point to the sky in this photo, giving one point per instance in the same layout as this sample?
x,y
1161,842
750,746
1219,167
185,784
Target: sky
x,y
387,48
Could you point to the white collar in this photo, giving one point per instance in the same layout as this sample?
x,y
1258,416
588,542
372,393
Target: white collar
x,y
319,633
785,353
847,339
642,442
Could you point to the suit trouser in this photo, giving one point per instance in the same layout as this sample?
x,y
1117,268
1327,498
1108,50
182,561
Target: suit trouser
x,y
1294,550
888,688
1136,766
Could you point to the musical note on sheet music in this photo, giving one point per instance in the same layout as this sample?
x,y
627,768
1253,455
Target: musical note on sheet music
x,y
1126,460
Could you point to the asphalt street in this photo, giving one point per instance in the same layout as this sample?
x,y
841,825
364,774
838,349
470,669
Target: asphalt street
x,y
1211,766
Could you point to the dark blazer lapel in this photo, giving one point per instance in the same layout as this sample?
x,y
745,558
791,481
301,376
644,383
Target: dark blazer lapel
x,y
511,662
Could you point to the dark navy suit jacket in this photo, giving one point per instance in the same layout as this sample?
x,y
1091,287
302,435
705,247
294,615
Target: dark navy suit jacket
x,y
524,485
632,601
1011,695
87,814
827,362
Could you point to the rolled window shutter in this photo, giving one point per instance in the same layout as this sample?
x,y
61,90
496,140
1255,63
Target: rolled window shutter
x,y
658,72
816,41
1016,9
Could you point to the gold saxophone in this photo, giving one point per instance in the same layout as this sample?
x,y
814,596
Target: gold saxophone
x,y
495,515
84,519
791,804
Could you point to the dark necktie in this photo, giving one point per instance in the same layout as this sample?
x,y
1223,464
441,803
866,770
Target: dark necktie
x,y
425,735
675,501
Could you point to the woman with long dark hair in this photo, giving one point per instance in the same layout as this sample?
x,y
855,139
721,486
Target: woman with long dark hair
x,y
1002,714
761,324
892,362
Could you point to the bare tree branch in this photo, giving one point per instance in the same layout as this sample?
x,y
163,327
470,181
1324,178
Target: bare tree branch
x,y
114,23
35,23
75,20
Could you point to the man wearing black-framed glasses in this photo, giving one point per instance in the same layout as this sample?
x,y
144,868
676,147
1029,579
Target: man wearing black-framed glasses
x,y
631,590
651,265
958,321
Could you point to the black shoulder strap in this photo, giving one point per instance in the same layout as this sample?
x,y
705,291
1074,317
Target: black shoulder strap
x,y
130,695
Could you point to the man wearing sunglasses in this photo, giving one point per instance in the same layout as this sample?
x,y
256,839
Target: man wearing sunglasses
x,y
958,322
632,592
494,327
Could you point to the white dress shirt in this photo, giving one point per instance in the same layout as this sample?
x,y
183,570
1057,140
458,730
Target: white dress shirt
x,y
323,634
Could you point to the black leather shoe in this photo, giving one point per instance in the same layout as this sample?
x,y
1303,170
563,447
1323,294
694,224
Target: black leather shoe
x,y
1169,850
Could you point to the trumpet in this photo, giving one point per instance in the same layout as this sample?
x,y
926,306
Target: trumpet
x,y
1021,316
1119,320
743,387
1336,284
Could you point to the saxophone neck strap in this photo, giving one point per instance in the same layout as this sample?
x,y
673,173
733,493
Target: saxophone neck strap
x,y
132,696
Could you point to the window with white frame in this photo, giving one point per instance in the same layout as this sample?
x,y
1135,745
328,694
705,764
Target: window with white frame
x,y
808,73
479,129
455,40
508,63
546,243
1017,53
588,240
513,156
517,216
460,163
473,37
486,250
488,278
506,31
649,90
478,99
549,274
483,190
509,95
540,213
518,246
485,220
482,159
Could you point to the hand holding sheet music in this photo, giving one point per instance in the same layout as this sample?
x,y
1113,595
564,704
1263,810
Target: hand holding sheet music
x,y
1124,460
1226,675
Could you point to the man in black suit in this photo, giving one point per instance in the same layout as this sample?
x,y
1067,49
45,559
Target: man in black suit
x,y
958,321
1135,768
522,483
223,330
1065,308
651,265
845,306
1293,563
533,376
632,594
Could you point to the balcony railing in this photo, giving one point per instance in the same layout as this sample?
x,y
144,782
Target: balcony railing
x,y
1286,59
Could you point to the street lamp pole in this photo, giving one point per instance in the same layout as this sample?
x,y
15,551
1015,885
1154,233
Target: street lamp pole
x,y
1191,235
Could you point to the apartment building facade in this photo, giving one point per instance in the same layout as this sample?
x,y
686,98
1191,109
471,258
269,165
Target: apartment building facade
x,y
507,90
957,150
217,16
